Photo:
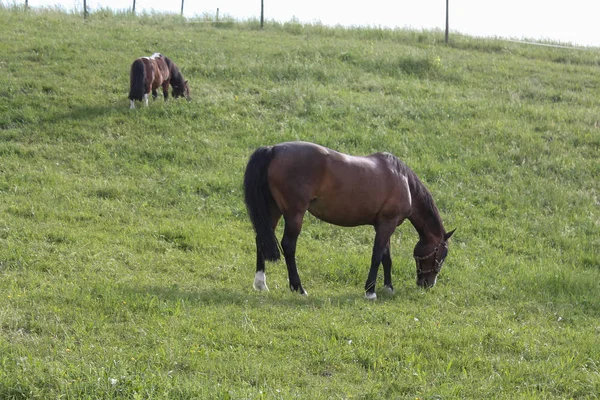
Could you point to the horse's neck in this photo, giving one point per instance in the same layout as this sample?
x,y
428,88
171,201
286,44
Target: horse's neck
x,y
175,74
426,219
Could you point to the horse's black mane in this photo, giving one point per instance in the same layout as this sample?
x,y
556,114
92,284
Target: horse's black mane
x,y
417,188
175,74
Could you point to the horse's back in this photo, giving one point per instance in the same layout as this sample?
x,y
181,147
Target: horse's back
x,y
300,152
162,69
336,187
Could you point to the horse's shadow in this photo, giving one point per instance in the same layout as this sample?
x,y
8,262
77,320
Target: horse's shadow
x,y
87,113
244,297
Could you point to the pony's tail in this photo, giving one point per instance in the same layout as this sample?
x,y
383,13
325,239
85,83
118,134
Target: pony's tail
x,y
137,80
257,196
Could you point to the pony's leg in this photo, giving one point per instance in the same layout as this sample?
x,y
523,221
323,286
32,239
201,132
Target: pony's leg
x,y
386,260
146,99
131,104
383,232
154,94
260,279
293,226
165,87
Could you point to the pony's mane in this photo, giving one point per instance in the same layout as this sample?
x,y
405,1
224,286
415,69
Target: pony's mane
x,y
417,188
175,74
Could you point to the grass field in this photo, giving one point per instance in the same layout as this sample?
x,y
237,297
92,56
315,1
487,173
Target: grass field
x,y
127,257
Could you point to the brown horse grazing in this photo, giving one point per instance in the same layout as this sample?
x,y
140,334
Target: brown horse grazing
x,y
291,178
148,73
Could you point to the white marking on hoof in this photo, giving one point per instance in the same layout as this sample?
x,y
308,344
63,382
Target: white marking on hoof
x,y
146,100
389,289
131,104
260,281
305,293
371,296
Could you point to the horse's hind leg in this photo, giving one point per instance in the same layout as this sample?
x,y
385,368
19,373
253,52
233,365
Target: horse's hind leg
x,y
386,260
146,99
154,94
383,231
293,226
260,279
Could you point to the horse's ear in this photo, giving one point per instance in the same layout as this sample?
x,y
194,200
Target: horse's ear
x,y
447,235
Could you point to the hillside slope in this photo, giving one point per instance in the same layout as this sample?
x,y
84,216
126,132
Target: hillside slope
x,y
127,258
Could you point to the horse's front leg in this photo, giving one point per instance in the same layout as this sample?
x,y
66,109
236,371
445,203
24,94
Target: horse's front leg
x,y
293,226
165,88
154,94
383,231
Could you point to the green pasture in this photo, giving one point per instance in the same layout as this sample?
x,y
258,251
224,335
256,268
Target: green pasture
x,y
127,257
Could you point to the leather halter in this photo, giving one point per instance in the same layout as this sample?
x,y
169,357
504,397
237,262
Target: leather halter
x,y
437,264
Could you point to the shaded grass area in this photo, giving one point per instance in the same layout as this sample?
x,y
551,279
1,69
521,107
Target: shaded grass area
x,y
127,258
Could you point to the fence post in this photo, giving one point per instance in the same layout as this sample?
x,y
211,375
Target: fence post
x,y
26,4
262,13
446,22
84,9
182,8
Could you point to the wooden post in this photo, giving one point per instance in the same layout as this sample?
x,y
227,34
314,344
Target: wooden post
x,y
217,15
26,4
262,13
133,9
182,8
447,21
84,9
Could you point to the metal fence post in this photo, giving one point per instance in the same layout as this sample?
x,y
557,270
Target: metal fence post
x,y
446,21
262,13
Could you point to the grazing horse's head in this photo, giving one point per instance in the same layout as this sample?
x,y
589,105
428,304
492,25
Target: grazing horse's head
x,y
429,265
181,90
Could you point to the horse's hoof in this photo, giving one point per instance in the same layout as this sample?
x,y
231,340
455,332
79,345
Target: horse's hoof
x,y
371,296
299,289
260,282
389,289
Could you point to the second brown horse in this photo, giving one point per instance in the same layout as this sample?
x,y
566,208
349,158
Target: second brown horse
x,y
147,74
289,179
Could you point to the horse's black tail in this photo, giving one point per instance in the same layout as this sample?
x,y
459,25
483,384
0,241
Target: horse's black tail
x,y
257,196
137,80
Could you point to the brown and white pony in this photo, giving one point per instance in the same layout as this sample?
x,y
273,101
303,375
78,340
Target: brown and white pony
x,y
148,73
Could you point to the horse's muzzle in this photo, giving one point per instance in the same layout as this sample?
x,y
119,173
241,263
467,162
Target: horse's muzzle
x,y
427,281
